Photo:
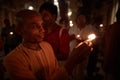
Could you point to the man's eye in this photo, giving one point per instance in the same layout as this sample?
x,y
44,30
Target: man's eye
x,y
34,26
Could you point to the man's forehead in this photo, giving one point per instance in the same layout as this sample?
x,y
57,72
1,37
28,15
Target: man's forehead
x,y
35,19
26,14
29,17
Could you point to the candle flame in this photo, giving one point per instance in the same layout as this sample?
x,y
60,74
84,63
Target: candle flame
x,y
78,35
11,33
91,37
88,41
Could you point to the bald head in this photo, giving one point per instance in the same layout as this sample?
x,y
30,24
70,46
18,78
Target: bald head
x,y
24,17
26,14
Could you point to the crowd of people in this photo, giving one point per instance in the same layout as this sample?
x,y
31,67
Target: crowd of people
x,y
34,58
38,48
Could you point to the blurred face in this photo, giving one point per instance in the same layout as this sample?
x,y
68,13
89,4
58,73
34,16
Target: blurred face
x,y
81,19
33,31
47,17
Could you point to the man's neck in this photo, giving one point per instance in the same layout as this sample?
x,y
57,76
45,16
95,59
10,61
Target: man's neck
x,y
33,46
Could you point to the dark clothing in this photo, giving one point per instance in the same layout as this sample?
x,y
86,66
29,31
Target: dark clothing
x,y
10,38
1,71
111,43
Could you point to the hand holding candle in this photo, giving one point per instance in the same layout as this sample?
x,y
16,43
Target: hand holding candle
x,y
77,55
91,37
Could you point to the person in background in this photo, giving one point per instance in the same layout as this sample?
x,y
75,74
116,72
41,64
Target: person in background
x,y
79,33
4,35
55,34
74,32
63,23
111,47
34,59
9,37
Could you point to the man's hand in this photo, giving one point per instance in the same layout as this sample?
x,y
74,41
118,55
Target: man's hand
x,y
77,55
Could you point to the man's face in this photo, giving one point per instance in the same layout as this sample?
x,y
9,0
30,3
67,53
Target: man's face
x,y
47,17
32,30
81,19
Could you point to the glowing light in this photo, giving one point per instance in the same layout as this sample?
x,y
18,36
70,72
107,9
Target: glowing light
x,y
91,37
78,36
70,23
69,12
101,25
56,2
88,41
30,8
11,33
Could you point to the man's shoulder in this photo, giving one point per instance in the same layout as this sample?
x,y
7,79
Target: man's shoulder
x,y
17,50
12,55
115,24
44,44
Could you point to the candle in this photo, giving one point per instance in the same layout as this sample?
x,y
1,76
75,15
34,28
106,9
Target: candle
x,y
91,37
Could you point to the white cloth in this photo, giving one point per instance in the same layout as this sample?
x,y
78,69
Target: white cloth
x,y
84,32
79,71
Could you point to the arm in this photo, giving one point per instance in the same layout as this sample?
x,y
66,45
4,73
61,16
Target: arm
x,y
78,54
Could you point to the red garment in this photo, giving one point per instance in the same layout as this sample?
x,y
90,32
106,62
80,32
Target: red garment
x,y
60,44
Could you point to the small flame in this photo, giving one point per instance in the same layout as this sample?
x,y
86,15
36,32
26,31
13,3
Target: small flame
x,y
88,41
78,36
11,33
91,37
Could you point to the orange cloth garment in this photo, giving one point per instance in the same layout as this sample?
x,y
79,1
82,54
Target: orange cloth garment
x,y
26,64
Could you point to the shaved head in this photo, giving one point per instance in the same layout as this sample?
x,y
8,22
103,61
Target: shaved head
x,y
29,25
24,16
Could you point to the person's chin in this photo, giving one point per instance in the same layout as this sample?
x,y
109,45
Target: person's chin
x,y
40,40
